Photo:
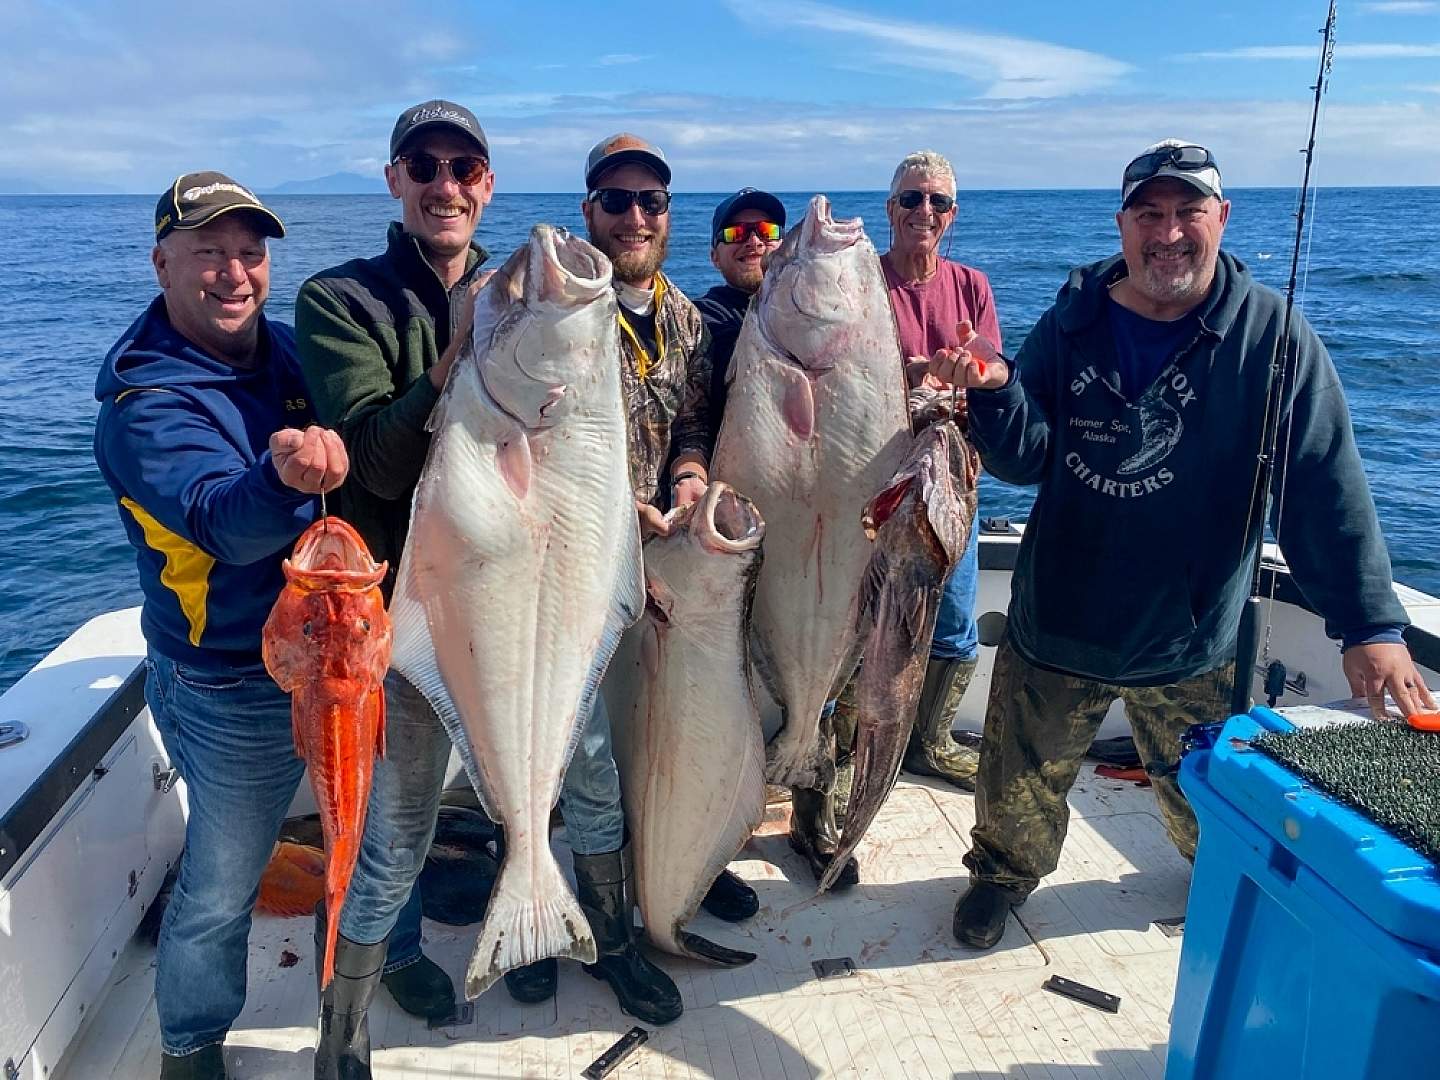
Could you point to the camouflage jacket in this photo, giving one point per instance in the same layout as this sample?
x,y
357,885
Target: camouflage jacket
x,y
667,399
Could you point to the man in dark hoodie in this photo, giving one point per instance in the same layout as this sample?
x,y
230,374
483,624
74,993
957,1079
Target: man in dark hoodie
x,y
1136,405
745,228
377,338
200,438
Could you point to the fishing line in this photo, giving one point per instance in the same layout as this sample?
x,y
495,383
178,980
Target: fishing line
x,y
1278,378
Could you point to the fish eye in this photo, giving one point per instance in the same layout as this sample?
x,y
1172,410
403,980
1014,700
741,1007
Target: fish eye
x,y
365,625
306,628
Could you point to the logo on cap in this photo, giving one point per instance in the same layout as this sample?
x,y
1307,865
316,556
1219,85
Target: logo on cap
x,y
193,193
439,112
625,142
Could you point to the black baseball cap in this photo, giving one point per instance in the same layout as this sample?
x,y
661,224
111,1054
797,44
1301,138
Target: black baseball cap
x,y
198,198
437,113
747,198
623,148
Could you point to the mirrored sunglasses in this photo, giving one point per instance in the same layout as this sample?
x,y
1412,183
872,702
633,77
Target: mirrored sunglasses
x,y
767,231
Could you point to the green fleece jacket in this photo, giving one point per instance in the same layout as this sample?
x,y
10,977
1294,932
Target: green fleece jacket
x,y
366,332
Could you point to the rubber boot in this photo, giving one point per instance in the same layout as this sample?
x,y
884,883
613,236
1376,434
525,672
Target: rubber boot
x,y
343,1052
981,913
931,750
533,983
422,989
843,723
205,1064
730,898
813,834
602,885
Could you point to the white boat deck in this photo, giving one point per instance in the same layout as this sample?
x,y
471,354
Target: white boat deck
x,y
919,1005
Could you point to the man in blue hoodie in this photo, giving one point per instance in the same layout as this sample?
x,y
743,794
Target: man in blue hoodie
x,y
205,436
1136,406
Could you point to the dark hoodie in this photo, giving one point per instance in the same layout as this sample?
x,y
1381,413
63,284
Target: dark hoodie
x,y
182,440
1131,571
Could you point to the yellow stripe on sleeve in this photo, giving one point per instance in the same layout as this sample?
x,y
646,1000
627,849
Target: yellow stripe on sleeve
x,y
187,568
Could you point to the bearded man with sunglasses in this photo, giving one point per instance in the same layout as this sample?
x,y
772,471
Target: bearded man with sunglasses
x,y
1136,405
377,338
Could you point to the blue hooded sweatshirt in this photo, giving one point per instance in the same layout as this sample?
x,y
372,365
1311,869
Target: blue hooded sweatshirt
x,y
182,440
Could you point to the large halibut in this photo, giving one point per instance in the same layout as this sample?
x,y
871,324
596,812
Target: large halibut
x,y
522,569
687,736
815,424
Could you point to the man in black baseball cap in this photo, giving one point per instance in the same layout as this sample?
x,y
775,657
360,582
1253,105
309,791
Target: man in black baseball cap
x,y
377,338
198,198
745,228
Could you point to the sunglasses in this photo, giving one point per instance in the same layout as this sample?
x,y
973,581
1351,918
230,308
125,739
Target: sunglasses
x,y
613,200
940,203
1188,158
422,168
766,231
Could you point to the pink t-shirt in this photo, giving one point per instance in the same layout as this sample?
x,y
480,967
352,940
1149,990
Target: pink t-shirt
x,y
926,313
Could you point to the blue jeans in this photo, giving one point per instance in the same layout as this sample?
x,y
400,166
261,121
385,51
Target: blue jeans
x,y
956,637
590,791
230,737
403,948
400,821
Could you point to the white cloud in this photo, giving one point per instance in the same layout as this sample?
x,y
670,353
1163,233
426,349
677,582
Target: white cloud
x,y
1401,7
1312,52
1007,67
1427,88
612,59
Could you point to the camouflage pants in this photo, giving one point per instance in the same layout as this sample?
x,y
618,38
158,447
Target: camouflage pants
x,y
1038,727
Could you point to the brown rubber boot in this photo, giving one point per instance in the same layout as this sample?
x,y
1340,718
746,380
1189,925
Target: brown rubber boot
x,y
931,750
813,834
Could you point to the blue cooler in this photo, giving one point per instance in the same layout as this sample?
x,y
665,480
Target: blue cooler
x,y
1312,937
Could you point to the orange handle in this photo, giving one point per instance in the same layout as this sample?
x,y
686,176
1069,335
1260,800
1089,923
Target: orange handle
x,y
1425,721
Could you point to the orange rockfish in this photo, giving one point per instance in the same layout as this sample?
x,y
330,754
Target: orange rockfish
x,y
327,644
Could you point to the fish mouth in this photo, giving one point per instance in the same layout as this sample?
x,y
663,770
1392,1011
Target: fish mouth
x,y
331,554
823,233
564,269
726,522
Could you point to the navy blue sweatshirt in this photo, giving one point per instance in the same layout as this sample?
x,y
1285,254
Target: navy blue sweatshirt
x,y
1131,570
182,440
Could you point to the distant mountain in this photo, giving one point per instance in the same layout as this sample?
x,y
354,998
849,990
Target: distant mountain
x,y
340,183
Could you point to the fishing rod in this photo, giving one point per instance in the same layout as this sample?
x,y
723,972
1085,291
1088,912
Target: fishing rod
x,y
1281,364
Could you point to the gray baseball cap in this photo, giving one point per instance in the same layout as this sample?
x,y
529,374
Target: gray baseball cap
x,y
1186,161
621,149
437,113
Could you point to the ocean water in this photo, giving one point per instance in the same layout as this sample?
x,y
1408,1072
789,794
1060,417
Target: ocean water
x,y
76,272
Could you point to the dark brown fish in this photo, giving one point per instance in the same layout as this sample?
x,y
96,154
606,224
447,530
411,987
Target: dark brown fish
x,y
920,523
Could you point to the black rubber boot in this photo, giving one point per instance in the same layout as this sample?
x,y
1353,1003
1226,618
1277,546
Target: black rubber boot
x,y
730,898
422,989
343,1052
206,1064
813,835
643,990
981,913
533,983
932,751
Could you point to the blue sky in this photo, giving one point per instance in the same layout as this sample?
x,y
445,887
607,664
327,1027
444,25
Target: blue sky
x,y
792,96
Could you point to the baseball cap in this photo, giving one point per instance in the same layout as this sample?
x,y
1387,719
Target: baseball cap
x,y
1186,161
437,113
747,198
198,198
621,149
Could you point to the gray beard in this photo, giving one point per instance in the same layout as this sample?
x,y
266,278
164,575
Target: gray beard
x,y
1170,290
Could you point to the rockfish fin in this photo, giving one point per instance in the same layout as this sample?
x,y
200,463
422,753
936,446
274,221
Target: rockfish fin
x,y
527,920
